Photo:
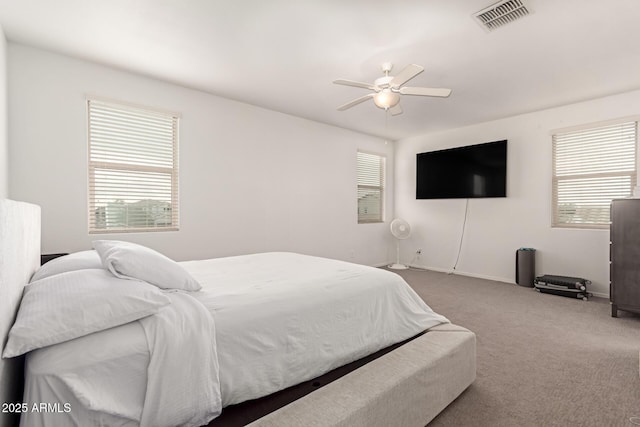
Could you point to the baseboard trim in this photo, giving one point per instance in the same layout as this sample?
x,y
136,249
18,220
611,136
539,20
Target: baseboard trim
x,y
482,276
385,264
464,273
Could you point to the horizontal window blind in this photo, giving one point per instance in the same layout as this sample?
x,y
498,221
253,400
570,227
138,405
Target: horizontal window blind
x,y
371,177
133,169
591,168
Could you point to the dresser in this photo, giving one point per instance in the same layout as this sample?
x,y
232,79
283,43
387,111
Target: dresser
x,y
624,255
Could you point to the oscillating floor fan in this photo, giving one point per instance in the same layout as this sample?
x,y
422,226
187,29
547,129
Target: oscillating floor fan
x,y
400,230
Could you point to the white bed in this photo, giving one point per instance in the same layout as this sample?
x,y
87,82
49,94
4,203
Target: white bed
x,y
279,319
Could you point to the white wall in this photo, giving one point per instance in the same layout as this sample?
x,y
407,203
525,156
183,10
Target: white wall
x,y
4,144
251,179
496,228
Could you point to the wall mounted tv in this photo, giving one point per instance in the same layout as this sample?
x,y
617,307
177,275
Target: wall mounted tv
x,y
466,172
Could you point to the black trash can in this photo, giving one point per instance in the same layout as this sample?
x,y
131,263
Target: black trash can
x,y
525,267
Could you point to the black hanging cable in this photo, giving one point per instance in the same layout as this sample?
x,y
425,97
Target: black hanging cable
x,y
464,224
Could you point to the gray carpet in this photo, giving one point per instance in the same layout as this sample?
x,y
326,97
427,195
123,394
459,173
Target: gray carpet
x,y
542,360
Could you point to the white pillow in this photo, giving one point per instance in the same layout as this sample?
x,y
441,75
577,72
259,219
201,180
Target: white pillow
x,y
131,261
70,305
76,261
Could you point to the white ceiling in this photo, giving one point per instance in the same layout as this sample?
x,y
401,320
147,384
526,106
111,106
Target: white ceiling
x,y
284,54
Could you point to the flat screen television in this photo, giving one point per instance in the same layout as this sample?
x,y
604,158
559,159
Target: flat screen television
x,y
466,172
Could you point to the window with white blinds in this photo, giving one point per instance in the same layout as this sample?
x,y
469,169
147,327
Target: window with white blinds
x,y
133,169
371,177
590,168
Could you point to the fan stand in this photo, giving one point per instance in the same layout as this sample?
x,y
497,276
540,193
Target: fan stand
x,y
397,265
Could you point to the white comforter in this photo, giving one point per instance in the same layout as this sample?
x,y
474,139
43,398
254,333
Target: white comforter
x,y
283,318
98,379
280,319
183,388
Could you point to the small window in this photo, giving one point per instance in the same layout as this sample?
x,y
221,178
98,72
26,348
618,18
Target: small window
x,y
371,176
591,167
133,169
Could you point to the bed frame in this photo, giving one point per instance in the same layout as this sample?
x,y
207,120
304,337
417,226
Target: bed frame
x,y
19,258
408,386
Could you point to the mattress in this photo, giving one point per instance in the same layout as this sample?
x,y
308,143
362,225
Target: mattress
x,y
280,318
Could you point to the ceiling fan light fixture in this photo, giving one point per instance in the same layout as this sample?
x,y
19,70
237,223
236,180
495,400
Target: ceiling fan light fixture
x,y
387,90
386,99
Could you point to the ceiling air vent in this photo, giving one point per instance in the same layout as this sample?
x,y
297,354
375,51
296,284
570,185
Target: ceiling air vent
x,y
502,13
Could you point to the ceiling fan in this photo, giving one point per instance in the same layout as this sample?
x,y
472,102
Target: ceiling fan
x,y
387,89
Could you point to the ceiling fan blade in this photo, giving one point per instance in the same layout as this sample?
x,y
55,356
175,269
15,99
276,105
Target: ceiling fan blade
x,y
409,72
425,91
395,110
352,83
355,102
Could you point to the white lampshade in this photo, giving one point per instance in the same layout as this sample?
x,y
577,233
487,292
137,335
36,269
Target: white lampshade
x,y
386,99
